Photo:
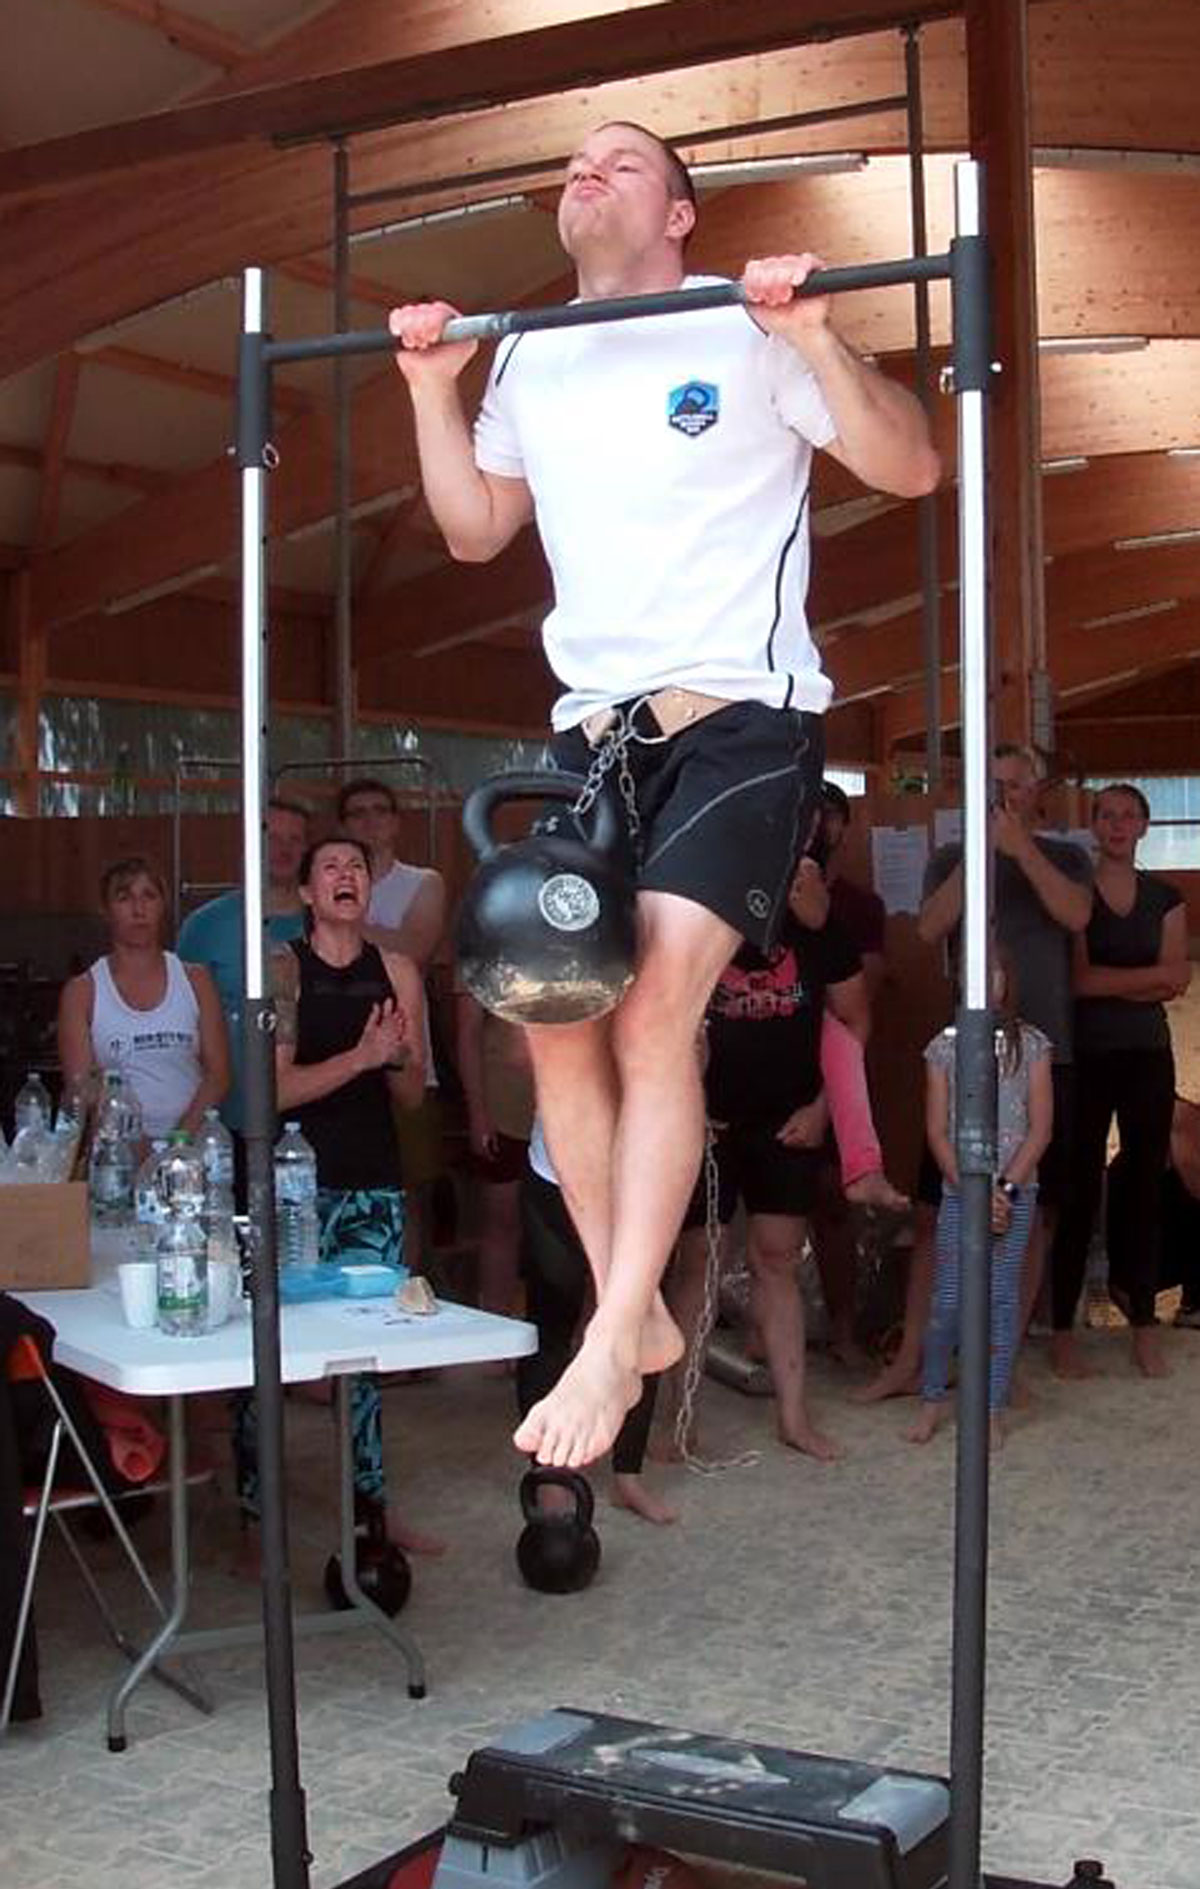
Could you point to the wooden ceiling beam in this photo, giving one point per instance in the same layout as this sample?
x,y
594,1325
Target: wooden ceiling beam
x,y
54,451
669,36
314,274
191,34
1080,661
196,220
200,380
133,478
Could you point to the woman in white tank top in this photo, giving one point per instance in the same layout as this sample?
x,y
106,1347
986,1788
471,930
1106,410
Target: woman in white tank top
x,y
142,1011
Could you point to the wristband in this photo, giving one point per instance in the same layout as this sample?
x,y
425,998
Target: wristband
x,y
1009,1189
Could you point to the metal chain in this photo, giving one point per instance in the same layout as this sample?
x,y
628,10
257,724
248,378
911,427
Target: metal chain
x,y
694,1363
613,751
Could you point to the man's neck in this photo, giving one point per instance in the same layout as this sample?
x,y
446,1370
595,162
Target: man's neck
x,y
337,944
601,276
382,861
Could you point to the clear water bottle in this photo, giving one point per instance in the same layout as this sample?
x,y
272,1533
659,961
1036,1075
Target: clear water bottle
x,y
149,1211
114,1154
181,1248
32,1106
214,1145
297,1228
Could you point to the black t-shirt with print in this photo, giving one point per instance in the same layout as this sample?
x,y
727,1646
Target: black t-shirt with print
x,y
764,1024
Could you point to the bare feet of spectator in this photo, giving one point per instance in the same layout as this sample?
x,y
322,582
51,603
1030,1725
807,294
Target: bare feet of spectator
x,y
875,1190
1066,1359
809,1441
930,1421
630,1492
900,1378
1148,1353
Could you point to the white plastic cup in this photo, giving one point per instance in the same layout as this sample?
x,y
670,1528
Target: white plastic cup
x,y
224,1289
139,1293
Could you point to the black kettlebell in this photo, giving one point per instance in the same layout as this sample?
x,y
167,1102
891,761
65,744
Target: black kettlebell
x,y
380,1566
548,927
557,1554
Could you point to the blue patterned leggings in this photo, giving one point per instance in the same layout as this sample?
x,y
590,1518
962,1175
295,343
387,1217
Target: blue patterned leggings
x,y
366,1225
1008,1254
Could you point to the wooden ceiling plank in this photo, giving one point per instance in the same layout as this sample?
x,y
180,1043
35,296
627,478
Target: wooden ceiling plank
x,y
318,275
669,36
54,451
191,34
201,380
134,478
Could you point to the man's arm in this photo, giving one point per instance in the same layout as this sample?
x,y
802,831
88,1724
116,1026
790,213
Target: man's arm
x,y
419,932
477,512
1068,901
882,432
942,908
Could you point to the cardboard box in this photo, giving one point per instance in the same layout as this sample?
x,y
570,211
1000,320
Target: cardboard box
x,y
45,1242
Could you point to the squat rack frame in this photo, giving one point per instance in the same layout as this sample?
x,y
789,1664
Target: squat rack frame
x,y
966,267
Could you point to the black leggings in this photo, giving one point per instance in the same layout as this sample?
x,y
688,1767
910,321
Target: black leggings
x,y
1138,1087
555,1270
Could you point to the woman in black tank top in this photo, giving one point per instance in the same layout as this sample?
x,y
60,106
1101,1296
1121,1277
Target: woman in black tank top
x,y
349,1037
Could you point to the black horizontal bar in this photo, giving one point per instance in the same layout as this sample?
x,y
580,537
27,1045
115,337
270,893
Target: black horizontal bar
x,y
867,275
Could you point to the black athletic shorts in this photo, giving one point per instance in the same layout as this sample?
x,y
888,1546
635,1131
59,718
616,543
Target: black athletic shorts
x,y
726,807
755,1168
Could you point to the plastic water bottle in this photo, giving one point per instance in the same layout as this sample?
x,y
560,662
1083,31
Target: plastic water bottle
x,y
297,1227
32,1106
149,1212
111,1170
214,1145
180,1249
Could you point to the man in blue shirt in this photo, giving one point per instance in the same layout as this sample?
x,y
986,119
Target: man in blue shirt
x,y
213,934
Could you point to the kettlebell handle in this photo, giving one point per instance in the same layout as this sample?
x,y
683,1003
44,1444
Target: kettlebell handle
x,y
579,1486
549,784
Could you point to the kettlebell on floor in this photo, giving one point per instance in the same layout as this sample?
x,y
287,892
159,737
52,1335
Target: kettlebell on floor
x,y
380,1567
557,1553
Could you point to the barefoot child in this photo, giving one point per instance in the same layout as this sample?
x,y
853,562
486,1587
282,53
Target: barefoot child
x,y
1024,1118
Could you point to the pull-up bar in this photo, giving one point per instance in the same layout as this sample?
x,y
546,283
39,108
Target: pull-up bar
x,y
515,321
965,266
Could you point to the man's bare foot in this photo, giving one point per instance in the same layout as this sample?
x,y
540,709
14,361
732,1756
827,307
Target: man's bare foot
x,y
662,1341
630,1492
900,1378
875,1190
931,1419
809,1441
578,1420
1066,1360
1148,1353
997,1432
411,1540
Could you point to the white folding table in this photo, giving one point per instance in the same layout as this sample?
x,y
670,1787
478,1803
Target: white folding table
x,y
334,1338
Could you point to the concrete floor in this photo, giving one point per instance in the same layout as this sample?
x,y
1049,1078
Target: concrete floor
x,y
794,1604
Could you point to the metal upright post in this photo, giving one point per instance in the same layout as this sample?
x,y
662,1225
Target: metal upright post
x,y
343,680
975,1068
289,1837
927,507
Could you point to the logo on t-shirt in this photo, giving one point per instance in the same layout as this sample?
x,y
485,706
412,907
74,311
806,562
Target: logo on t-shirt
x,y
694,407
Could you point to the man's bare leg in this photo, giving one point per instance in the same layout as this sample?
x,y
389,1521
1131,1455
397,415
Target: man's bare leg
x,y
656,1156
902,1377
773,1243
575,1077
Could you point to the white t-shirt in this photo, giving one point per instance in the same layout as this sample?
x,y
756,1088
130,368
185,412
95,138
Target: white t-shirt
x,y
669,464
391,897
157,1051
